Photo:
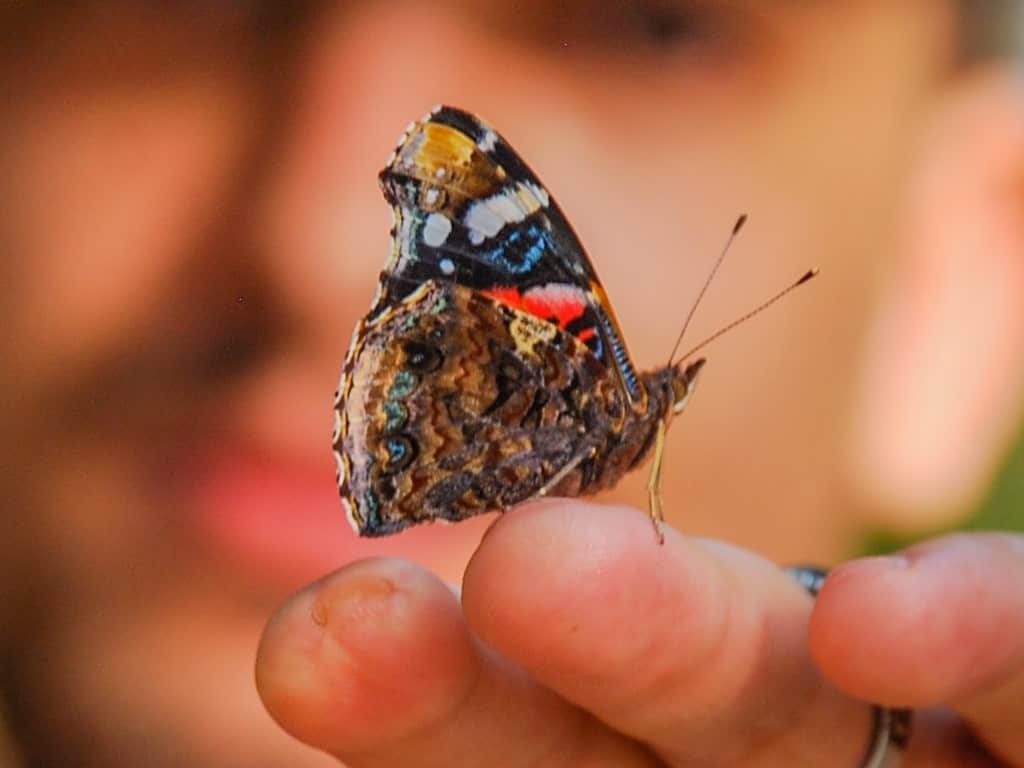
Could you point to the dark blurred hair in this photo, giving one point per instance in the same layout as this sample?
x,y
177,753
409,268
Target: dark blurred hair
x,y
992,28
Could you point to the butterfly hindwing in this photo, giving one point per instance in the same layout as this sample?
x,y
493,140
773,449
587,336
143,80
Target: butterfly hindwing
x,y
454,403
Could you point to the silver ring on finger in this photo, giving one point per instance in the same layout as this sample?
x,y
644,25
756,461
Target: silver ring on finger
x,y
891,730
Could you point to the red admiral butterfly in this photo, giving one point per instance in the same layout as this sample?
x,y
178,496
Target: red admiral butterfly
x,y
490,368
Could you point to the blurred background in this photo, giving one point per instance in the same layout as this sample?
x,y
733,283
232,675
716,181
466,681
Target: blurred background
x,y
190,227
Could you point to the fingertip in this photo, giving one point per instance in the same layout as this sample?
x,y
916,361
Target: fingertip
x,y
545,549
852,631
578,569
921,628
365,656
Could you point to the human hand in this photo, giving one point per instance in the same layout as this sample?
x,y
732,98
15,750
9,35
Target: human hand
x,y
580,642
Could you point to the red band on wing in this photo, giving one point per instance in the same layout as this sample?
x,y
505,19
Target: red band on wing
x,y
555,302
510,296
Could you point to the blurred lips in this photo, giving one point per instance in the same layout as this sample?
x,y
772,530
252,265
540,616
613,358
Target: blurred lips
x,y
281,521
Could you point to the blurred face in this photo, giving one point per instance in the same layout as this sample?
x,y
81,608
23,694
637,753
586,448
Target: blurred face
x,y
193,223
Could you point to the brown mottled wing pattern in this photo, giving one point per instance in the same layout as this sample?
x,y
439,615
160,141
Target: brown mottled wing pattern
x,y
453,404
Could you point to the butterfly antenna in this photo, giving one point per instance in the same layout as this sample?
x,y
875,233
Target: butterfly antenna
x,y
711,276
760,308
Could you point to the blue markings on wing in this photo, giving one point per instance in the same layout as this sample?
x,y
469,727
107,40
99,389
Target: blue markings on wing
x,y
397,449
520,251
621,358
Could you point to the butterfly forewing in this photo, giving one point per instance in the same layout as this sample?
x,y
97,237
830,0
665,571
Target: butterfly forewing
x,y
469,210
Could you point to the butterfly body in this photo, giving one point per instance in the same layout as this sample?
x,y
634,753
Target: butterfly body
x,y
490,368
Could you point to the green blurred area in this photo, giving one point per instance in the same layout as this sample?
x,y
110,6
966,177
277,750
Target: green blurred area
x,y
1002,509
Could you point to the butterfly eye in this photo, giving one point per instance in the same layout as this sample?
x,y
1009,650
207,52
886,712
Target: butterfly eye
x,y
402,452
424,358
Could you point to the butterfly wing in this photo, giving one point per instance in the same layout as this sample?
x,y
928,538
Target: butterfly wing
x,y
453,404
468,210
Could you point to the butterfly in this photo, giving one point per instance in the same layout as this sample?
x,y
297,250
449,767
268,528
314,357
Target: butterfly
x,y
490,368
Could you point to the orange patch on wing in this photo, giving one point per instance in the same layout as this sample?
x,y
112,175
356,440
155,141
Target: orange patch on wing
x,y
435,147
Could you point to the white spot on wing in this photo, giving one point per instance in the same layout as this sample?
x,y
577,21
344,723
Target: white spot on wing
x,y
432,195
436,229
482,219
405,242
507,207
562,299
485,218
538,192
447,266
486,144
527,200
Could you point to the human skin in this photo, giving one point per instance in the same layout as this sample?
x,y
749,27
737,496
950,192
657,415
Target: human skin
x,y
608,650
194,228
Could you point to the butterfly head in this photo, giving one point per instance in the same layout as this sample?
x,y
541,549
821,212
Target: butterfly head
x,y
683,381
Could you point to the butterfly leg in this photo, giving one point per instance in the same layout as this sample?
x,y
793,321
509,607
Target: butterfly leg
x,y
654,484
585,452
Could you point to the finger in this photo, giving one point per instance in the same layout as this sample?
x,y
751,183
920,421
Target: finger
x,y
941,623
375,665
696,648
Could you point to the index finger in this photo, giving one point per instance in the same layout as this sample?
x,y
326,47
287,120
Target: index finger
x,y
696,648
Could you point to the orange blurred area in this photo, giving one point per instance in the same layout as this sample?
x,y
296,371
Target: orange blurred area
x,y
192,227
